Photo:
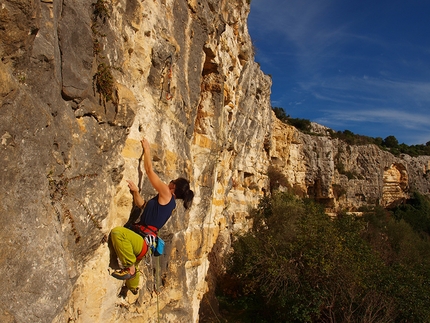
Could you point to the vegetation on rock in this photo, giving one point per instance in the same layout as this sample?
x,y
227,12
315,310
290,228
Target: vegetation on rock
x,y
103,79
303,125
297,264
390,143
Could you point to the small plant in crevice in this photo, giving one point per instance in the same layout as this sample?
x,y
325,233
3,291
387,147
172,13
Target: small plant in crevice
x,y
21,78
103,80
58,189
97,47
101,10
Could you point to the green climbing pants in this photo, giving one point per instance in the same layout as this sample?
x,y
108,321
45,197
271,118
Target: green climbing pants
x,y
128,245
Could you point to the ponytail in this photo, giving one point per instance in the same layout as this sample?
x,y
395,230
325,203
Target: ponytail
x,y
188,199
182,191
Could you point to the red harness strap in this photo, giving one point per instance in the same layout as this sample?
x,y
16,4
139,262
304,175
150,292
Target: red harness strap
x,y
149,230
143,252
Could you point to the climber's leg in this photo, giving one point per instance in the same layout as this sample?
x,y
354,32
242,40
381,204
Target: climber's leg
x,y
128,245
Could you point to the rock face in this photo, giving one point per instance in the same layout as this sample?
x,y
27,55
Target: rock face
x,y
345,177
80,84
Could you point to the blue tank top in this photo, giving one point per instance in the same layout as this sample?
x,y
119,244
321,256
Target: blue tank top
x,y
156,214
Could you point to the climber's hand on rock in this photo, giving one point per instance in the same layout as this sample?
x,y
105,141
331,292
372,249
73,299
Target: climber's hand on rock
x,y
145,145
132,186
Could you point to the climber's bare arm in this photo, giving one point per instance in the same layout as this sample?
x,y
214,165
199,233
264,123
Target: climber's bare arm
x,y
162,188
137,198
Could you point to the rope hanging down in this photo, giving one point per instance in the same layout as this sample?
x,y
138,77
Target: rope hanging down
x,y
156,280
208,224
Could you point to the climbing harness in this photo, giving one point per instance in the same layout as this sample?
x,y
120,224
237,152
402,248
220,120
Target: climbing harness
x,y
150,235
155,245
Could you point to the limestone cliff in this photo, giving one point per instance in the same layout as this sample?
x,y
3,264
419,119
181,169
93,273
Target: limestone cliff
x,y
345,177
80,84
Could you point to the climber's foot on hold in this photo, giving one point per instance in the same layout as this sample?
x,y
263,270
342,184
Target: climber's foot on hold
x,y
124,274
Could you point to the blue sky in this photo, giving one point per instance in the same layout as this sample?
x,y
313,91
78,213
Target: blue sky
x,y
358,65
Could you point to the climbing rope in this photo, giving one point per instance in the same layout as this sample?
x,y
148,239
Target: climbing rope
x,y
156,286
155,279
207,235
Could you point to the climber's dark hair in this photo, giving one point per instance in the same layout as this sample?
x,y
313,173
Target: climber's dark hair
x,y
182,191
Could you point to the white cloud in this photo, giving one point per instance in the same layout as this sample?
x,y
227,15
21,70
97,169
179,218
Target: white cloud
x,y
391,117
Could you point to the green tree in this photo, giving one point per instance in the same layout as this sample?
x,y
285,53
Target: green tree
x,y
391,142
406,254
299,265
415,212
303,125
280,114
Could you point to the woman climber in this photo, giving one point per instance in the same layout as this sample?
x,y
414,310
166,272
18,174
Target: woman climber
x,y
130,246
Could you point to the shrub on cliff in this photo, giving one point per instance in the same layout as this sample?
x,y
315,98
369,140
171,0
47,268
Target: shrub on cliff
x,y
415,212
280,114
304,125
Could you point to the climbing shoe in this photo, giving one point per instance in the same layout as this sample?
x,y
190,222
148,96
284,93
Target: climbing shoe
x,y
123,274
134,290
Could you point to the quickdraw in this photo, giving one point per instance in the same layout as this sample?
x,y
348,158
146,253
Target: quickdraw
x,y
167,77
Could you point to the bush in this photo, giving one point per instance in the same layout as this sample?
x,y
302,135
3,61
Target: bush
x,y
303,125
416,212
280,114
299,265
